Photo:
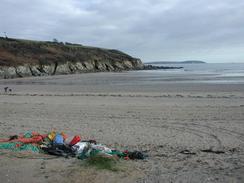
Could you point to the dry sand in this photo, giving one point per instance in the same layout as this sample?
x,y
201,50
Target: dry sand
x,y
169,120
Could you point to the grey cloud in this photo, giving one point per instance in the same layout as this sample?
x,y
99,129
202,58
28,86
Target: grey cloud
x,y
210,30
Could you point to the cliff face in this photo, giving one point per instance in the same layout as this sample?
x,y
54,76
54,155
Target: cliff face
x,y
22,58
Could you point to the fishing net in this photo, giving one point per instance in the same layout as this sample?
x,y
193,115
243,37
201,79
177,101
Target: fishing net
x,y
18,146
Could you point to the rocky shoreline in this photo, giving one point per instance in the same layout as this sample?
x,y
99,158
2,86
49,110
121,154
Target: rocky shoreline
x,y
153,67
8,72
27,70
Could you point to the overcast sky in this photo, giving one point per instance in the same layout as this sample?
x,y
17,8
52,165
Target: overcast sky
x,y
209,30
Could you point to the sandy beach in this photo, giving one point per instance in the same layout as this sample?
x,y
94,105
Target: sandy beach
x,y
192,131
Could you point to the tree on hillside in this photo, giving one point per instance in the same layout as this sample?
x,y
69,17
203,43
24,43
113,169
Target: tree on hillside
x,y
55,40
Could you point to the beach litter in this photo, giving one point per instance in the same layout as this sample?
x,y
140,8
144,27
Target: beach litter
x,y
57,144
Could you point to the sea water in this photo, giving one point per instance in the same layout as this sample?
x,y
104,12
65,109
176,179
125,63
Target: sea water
x,y
218,73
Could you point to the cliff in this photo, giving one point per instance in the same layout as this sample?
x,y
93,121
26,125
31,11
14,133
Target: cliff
x,y
22,58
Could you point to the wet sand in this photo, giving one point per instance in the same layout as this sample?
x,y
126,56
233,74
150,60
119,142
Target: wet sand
x,y
173,119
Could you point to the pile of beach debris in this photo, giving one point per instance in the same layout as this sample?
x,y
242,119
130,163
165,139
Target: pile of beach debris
x,y
57,144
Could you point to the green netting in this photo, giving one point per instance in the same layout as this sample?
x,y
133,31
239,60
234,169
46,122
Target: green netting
x,y
118,153
18,146
28,134
95,152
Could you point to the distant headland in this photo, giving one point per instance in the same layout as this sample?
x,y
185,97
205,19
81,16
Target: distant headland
x,y
177,62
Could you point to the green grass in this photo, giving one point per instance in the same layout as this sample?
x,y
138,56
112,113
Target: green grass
x,y
104,163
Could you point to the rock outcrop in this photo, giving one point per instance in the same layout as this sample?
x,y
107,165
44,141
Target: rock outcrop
x,y
23,58
155,67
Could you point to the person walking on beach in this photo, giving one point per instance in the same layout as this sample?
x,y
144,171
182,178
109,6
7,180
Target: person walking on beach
x,y
5,89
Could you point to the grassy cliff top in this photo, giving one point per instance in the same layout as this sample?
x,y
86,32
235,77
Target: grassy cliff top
x,y
14,52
